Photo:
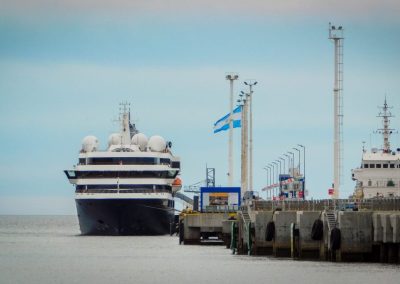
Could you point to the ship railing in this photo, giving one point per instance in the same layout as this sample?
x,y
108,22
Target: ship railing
x,y
221,209
375,204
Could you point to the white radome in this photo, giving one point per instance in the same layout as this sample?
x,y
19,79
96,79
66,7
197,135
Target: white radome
x,y
90,144
157,144
114,139
140,140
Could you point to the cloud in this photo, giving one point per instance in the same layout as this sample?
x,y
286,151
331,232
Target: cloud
x,y
386,9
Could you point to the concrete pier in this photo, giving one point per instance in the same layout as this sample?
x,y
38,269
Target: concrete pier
x,y
281,245
199,227
323,229
308,248
356,234
349,230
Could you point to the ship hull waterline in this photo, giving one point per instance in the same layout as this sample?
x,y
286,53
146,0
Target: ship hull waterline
x,y
124,216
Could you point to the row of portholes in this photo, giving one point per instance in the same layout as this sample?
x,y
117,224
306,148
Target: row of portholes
x,y
381,166
382,183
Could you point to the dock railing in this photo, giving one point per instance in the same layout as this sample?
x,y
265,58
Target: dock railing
x,y
378,204
221,209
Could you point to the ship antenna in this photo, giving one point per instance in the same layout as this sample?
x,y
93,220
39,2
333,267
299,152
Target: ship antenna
x,y
386,131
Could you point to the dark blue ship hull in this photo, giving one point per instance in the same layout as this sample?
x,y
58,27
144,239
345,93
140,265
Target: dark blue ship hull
x,y
125,216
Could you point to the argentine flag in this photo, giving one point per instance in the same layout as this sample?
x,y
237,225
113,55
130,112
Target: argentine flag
x,y
223,123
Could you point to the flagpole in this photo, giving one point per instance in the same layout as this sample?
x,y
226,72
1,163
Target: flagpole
x,y
231,77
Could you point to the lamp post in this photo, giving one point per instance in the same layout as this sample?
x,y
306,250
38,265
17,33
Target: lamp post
x,y
231,77
250,83
304,168
272,177
299,157
280,166
267,170
292,162
284,166
277,179
270,184
287,156
244,135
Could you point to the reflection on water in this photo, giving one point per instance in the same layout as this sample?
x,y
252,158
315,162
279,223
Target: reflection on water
x,y
49,249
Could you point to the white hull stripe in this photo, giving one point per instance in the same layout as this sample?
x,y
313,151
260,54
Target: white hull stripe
x,y
123,196
135,181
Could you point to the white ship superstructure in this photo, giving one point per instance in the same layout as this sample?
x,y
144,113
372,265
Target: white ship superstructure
x,y
379,173
128,188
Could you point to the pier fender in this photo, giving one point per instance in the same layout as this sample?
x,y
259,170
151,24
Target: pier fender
x,y
317,230
249,237
335,239
270,231
181,231
234,231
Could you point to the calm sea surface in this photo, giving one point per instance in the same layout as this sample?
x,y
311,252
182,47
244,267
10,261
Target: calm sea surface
x,y
49,249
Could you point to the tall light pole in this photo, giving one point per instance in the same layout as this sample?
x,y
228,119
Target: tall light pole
x,y
336,35
277,179
284,166
280,166
304,168
267,169
299,157
272,176
231,77
287,156
291,153
251,83
244,135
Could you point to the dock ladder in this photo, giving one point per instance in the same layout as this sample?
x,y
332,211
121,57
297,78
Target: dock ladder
x,y
331,218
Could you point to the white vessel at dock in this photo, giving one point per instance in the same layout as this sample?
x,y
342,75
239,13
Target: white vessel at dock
x,y
379,173
128,188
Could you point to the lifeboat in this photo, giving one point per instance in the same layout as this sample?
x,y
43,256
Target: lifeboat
x,y
176,184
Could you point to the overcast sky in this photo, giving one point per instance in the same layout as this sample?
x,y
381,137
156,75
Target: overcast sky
x,y
66,65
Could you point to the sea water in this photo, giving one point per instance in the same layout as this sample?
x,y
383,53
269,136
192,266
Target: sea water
x,y
50,249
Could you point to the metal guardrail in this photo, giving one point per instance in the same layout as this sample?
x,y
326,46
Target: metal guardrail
x,y
378,204
221,209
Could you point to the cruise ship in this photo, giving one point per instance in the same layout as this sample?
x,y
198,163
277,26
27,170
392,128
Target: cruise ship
x,y
127,189
379,173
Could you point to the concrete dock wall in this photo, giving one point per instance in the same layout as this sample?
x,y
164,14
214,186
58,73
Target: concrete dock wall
x,y
284,230
356,232
282,240
305,221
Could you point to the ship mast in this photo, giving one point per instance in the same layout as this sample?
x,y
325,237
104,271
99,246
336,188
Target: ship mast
x,y
124,119
386,131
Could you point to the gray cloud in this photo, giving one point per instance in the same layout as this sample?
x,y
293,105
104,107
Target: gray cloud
x,y
362,9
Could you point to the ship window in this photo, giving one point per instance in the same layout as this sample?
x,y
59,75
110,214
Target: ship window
x,y
127,174
110,188
70,174
372,166
164,161
176,165
385,166
127,161
82,161
366,166
392,166
378,166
